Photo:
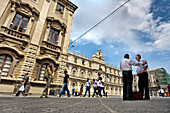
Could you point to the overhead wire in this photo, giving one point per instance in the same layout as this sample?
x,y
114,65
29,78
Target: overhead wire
x,y
97,24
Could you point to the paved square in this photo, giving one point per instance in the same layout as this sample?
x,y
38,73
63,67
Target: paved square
x,y
9,104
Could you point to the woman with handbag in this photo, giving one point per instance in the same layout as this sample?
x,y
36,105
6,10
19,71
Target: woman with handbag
x,y
23,85
48,77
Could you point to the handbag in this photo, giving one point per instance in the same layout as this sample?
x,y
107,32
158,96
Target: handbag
x,y
22,88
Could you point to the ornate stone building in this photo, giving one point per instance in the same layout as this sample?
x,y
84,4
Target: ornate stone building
x,y
33,34
36,33
80,68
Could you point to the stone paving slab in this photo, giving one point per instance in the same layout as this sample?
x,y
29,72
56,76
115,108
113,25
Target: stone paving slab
x,y
34,104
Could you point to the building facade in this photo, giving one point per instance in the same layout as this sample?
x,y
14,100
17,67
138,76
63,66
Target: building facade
x,y
36,33
157,78
33,34
80,68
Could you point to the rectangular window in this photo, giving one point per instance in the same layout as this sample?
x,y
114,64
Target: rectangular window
x,y
60,8
75,60
53,36
19,23
89,64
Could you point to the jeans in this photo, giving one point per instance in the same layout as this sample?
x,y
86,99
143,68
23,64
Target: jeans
x,y
99,91
87,89
94,91
45,92
102,88
64,88
18,93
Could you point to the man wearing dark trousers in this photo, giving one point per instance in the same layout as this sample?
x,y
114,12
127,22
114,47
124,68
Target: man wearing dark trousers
x,y
126,68
143,77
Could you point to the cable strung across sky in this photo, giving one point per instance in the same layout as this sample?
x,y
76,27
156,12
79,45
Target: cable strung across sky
x,y
98,23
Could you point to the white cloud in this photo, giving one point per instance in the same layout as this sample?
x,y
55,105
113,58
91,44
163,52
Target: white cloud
x,y
119,28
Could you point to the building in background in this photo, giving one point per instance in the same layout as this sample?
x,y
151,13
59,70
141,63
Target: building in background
x,y
157,78
80,68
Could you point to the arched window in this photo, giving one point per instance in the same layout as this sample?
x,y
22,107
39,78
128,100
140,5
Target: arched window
x,y
74,73
5,64
89,75
42,72
82,74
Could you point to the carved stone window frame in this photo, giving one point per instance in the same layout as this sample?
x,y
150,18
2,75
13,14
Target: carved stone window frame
x,y
23,9
58,11
56,25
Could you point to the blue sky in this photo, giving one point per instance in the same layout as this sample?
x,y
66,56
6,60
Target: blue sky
x,y
140,27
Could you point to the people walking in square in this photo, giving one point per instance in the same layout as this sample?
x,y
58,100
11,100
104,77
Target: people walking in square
x,y
102,86
81,90
65,86
126,68
143,77
48,77
88,84
23,85
94,87
161,92
99,86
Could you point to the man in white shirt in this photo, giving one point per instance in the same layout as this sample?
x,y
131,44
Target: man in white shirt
x,y
143,77
126,68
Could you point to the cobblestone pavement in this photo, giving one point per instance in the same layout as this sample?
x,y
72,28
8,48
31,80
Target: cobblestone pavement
x,y
9,104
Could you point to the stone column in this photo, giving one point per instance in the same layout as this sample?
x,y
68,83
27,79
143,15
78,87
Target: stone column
x,y
3,7
67,36
41,22
60,36
30,24
10,16
78,72
47,32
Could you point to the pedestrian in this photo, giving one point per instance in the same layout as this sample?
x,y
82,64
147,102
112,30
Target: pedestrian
x,y
143,77
168,88
126,68
48,77
88,83
161,92
76,92
65,86
106,91
102,87
23,85
99,86
94,87
81,90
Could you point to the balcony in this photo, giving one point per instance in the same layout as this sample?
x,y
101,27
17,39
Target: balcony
x,y
49,48
14,34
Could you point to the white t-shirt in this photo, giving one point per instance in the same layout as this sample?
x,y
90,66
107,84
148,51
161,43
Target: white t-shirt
x,y
161,91
99,83
88,83
102,84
